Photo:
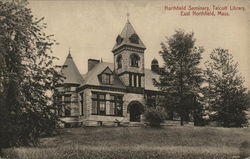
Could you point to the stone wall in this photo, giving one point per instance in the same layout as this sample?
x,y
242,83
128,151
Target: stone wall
x,y
127,98
127,68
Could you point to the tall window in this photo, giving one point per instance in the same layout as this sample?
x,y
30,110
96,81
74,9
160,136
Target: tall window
x,y
135,80
116,105
98,104
151,100
134,60
67,110
139,81
130,80
81,103
119,61
67,98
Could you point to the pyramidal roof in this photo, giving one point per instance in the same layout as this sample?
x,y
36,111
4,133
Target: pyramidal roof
x,y
70,71
128,37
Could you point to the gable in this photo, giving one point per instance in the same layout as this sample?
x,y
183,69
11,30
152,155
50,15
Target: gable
x,y
107,70
92,77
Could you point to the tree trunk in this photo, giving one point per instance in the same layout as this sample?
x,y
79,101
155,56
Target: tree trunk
x,y
182,123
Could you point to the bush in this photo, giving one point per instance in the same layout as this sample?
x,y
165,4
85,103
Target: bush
x,y
245,149
155,116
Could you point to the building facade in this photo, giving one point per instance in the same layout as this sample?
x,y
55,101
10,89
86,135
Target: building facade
x,y
111,92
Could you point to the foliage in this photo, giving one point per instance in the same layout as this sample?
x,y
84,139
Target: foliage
x,y
155,116
181,77
225,93
28,77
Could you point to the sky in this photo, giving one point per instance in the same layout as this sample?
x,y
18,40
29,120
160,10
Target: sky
x,y
89,27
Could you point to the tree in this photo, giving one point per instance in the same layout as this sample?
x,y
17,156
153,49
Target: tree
x,y
226,94
181,77
28,77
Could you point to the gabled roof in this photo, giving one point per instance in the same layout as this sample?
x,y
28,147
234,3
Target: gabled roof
x,y
125,37
149,76
70,71
91,78
107,70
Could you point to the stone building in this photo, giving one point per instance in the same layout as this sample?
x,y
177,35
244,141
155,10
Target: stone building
x,y
111,92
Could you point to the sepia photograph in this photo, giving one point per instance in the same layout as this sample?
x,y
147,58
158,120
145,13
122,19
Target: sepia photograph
x,y
139,79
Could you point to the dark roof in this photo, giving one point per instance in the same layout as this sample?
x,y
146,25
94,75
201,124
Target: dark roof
x,y
70,71
126,33
91,78
154,62
149,76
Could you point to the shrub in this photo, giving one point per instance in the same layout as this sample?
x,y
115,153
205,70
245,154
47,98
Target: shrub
x,y
245,149
155,116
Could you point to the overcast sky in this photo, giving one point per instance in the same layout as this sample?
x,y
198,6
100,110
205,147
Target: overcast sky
x,y
90,28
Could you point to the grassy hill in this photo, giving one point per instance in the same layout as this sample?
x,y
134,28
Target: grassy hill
x,y
138,143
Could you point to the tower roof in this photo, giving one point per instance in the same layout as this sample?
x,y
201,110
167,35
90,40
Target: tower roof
x,y
128,37
154,62
70,71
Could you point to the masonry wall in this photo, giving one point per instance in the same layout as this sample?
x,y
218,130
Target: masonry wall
x,y
126,66
130,97
90,119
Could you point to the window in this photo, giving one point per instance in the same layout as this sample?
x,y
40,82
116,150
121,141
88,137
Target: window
x,y
67,99
67,89
139,81
130,80
134,60
151,100
106,78
67,111
135,81
119,61
134,38
98,104
81,103
116,105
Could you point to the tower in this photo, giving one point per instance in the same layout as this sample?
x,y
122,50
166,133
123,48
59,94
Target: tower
x,y
129,57
155,66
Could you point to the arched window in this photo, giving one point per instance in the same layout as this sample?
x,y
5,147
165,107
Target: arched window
x,y
134,60
119,61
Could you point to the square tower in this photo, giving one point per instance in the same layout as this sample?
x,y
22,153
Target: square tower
x,y
129,58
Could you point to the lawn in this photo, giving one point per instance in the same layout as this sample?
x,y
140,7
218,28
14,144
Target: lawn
x,y
138,143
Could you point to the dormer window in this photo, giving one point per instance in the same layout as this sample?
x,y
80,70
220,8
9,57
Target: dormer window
x,y
119,61
106,77
119,40
134,38
134,60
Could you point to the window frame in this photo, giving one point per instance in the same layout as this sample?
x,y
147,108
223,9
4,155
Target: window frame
x,y
117,100
81,104
134,60
151,100
67,89
119,61
99,100
105,75
67,96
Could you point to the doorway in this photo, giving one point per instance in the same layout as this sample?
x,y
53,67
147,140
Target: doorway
x,y
135,110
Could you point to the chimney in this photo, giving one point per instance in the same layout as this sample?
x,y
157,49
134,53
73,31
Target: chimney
x,y
92,63
155,66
